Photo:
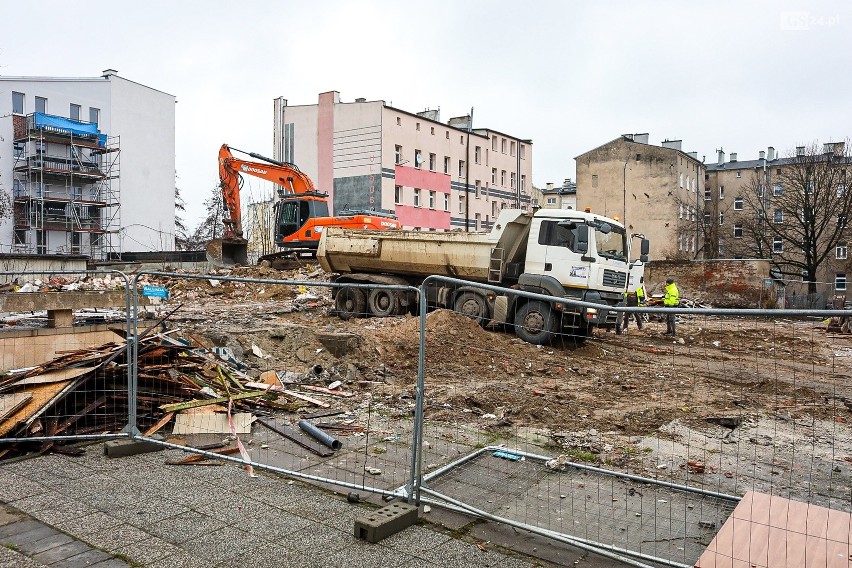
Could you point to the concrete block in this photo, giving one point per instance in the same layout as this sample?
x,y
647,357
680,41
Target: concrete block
x,y
386,521
124,448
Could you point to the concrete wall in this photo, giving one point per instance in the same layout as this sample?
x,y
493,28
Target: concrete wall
x,y
37,265
28,348
721,283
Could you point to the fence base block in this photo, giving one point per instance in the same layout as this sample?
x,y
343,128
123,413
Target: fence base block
x,y
386,521
124,448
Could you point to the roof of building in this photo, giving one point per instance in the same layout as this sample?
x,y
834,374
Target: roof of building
x,y
79,80
626,139
565,189
747,164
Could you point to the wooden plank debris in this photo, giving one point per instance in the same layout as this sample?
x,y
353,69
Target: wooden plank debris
x,y
218,400
201,457
212,423
54,376
288,392
11,403
158,425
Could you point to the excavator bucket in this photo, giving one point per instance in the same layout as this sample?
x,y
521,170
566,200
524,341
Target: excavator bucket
x,y
227,252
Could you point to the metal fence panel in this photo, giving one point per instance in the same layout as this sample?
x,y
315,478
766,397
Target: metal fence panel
x,y
250,358
64,358
637,443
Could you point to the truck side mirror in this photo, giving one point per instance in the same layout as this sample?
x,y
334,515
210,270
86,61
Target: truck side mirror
x,y
646,247
582,243
643,258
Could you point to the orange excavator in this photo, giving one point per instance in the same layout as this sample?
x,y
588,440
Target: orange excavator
x,y
301,212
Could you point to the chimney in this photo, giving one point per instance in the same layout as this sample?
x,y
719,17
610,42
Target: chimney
x,y
673,144
360,100
641,138
800,150
693,155
721,156
733,156
628,136
461,122
550,185
567,182
762,155
107,73
431,114
770,155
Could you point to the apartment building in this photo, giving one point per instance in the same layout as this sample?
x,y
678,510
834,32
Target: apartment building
x,y
654,190
750,213
433,175
87,165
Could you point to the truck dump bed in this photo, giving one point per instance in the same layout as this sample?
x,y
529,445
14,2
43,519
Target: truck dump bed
x,y
413,253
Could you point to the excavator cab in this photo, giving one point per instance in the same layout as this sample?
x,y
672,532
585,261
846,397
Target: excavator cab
x,y
293,213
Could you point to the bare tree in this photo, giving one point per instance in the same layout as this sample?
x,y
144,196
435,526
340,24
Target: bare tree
x,y
181,232
211,227
797,217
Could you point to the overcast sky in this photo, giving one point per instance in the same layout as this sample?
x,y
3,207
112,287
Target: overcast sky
x,y
568,75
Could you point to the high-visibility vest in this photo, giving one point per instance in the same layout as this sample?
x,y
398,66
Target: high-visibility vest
x,y
640,294
672,297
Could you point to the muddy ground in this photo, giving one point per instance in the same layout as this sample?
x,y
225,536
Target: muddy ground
x,y
732,396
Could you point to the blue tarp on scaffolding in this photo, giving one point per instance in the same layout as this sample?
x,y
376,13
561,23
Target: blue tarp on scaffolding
x,y
50,122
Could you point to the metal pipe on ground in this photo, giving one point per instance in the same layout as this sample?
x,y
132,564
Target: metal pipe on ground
x,y
321,435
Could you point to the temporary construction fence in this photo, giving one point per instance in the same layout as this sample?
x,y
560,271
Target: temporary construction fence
x,y
55,388
635,445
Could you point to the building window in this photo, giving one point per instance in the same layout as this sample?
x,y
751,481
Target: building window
x,y
777,190
512,180
74,113
503,178
739,174
843,221
738,203
476,186
707,218
447,133
477,154
840,252
777,245
397,194
416,197
461,168
398,154
721,248
446,164
707,196
94,115
778,216
594,181
551,201
431,200
17,150
417,126
523,182
461,139
721,192
502,145
478,221
493,176
680,180
721,218
17,103
738,230
523,152
680,210
461,203
512,148
841,190
41,105
20,237
446,202
432,129
840,281
398,121
418,158
75,242
494,144
433,159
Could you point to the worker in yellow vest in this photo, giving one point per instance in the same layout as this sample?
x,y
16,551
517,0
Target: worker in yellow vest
x,y
671,300
634,299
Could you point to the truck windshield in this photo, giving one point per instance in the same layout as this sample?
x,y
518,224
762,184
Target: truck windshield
x,y
612,244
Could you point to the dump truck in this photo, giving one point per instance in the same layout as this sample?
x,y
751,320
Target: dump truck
x,y
566,254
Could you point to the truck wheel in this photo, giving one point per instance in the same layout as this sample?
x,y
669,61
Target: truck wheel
x,y
350,302
383,303
472,305
534,323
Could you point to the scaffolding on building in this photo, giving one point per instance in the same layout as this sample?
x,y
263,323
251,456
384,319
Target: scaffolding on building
x,y
65,186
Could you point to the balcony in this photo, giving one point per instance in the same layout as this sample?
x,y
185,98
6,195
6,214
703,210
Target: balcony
x,y
61,166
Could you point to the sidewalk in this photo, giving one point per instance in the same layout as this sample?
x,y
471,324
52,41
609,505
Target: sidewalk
x,y
138,511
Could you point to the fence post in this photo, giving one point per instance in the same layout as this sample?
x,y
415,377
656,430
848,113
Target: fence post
x,y
132,360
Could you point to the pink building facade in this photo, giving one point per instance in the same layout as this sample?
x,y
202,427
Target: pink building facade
x,y
432,175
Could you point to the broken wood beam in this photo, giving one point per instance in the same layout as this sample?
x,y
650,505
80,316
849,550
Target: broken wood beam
x,y
196,403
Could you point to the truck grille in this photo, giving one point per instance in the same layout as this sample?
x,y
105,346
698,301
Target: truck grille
x,y
614,278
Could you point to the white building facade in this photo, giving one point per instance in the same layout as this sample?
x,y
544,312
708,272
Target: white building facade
x,y
87,166
432,175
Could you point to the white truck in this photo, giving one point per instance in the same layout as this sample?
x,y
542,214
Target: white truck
x,y
562,253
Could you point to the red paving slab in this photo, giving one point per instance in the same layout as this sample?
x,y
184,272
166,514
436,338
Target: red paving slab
x,y
766,531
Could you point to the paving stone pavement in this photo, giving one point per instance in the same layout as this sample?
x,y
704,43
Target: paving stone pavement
x,y
137,511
